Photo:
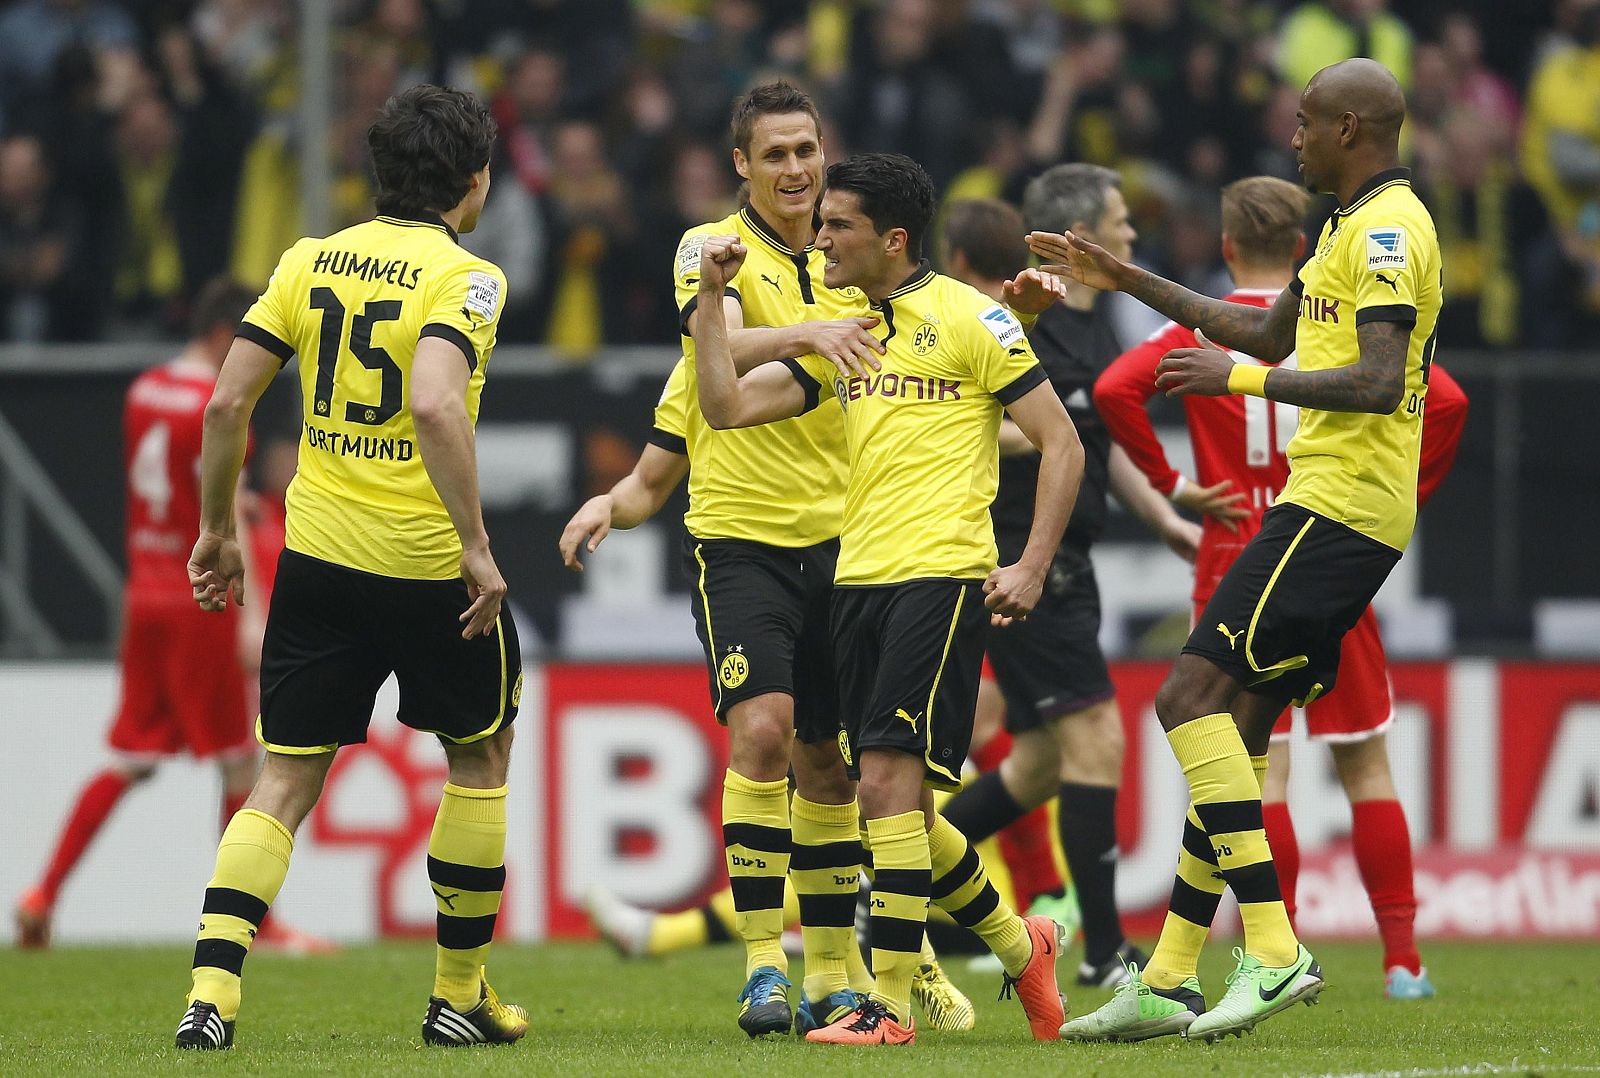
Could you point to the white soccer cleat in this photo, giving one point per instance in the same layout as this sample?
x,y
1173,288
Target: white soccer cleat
x,y
626,927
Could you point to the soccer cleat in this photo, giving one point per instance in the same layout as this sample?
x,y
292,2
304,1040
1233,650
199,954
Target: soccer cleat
x,y
1035,986
1256,993
33,920
765,1003
202,1027
1062,909
870,1023
1114,970
809,1016
490,1022
1138,1012
944,1005
1401,983
625,927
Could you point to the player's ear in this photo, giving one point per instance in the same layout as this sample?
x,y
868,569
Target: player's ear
x,y
1230,250
741,164
894,241
1299,246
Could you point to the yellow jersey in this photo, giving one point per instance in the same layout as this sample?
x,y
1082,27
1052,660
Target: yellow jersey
x,y
353,306
675,412
1377,261
924,432
781,484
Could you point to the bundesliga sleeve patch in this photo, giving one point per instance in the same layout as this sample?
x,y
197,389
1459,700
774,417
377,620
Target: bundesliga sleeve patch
x,y
689,258
483,295
1386,248
1001,324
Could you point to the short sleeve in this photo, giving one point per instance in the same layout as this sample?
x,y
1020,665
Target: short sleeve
x,y
814,374
268,322
686,275
1002,359
671,430
465,309
1387,259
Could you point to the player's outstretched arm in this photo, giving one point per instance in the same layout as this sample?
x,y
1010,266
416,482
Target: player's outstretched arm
x,y
768,393
1012,591
1266,333
1376,382
439,376
216,567
635,498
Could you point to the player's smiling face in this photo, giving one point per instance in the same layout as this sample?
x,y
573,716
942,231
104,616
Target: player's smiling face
x,y
784,165
854,253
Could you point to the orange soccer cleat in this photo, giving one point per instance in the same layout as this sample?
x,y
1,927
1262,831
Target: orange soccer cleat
x,y
870,1023
1035,986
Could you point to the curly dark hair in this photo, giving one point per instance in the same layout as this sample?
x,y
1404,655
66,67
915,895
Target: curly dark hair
x,y
426,145
894,190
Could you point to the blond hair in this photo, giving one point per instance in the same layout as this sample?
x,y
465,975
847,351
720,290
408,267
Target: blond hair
x,y
1264,216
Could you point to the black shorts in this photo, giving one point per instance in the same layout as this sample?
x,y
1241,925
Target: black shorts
x,y
909,657
761,613
1051,665
335,634
1275,622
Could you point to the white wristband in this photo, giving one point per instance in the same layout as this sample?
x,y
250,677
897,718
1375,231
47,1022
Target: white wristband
x,y
1177,488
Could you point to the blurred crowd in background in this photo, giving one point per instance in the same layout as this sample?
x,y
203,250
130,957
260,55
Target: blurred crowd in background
x,y
148,146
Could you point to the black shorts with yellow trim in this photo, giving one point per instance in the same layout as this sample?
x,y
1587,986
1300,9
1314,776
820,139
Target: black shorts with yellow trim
x,y
761,613
1278,615
335,634
909,657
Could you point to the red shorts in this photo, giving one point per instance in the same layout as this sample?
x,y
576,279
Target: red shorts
x,y
182,689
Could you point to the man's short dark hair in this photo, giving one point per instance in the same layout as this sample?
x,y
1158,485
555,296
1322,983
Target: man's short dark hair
x,y
222,302
990,234
1067,195
894,190
769,99
426,146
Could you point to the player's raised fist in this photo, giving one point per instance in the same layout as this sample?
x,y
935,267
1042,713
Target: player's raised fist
x,y
720,259
1070,255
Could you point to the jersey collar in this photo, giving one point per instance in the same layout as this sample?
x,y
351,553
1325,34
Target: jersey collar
x,y
412,220
919,277
767,232
1373,186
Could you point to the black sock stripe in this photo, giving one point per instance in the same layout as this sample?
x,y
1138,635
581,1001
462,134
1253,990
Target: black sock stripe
x,y
451,876
1254,883
966,868
220,954
1230,817
828,911
917,882
465,933
896,933
716,931
241,904
1192,904
825,855
969,915
753,836
757,893
1198,845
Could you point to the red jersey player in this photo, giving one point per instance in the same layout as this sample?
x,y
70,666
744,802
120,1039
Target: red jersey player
x,y
184,671
1239,445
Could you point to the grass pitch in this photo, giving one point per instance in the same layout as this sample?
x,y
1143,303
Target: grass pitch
x,y
1515,1009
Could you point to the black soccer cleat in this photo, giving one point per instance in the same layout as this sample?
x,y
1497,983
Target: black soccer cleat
x,y
490,1022
202,1027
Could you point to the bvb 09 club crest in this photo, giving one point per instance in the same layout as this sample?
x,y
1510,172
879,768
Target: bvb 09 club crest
x,y
926,339
734,669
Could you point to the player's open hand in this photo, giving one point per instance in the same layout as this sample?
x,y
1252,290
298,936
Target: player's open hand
x,y
1201,371
1011,593
1070,255
216,571
1033,291
846,344
1219,500
485,587
720,259
587,528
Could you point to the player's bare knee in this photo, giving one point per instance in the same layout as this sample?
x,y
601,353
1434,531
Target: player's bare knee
x,y
820,775
891,783
289,785
483,764
134,772
1193,688
1030,773
1363,768
761,737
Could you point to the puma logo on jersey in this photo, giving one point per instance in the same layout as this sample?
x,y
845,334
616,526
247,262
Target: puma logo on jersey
x,y
1233,638
773,281
1394,286
902,713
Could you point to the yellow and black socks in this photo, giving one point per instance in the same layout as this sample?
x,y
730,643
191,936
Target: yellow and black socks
x,y
252,860
467,868
826,871
962,889
902,880
756,837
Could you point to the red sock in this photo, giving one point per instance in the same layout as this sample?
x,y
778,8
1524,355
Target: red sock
x,y
1025,845
95,803
993,752
1383,854
1285,850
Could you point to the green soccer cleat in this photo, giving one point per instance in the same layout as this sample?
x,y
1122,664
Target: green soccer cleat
x,y
945,1006
764,1003
1138,1012
1256,993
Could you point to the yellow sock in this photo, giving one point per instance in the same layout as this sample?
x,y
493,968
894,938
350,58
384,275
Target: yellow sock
x,y
467,868
962,889
252,859
1227,800
756,837
826,872
904,876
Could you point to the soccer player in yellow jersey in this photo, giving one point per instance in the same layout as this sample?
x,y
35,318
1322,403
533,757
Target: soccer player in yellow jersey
x,y
387,567
1360,317
917,560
